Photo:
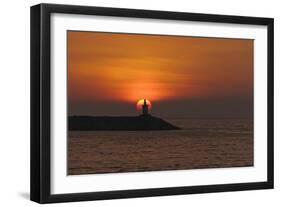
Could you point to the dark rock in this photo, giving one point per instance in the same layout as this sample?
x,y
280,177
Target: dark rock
x,y
142,122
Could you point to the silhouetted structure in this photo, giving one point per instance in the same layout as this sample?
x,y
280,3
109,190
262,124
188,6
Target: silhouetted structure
x,y
144,108
142,122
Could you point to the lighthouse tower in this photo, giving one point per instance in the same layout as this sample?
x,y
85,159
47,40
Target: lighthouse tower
x,y
144,108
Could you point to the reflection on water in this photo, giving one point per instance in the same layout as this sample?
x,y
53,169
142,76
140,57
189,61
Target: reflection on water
x,y
203,143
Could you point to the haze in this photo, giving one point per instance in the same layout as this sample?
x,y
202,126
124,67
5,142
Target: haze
x,y
182,76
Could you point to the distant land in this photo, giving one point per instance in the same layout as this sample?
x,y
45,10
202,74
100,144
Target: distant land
x,y
128,123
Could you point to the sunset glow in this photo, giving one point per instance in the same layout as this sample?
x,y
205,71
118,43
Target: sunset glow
x,y
140,103
122,68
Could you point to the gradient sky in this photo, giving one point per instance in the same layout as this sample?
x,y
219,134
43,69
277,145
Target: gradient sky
x,y
182,76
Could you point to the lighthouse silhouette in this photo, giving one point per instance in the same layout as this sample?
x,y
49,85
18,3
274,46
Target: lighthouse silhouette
x,y
144,108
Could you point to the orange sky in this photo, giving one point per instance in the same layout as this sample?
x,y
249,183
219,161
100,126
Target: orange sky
x,y
128,67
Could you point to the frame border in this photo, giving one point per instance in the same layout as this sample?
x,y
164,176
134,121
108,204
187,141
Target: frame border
x,y
40,102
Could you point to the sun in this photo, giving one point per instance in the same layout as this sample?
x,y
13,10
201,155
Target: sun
x,y
140,103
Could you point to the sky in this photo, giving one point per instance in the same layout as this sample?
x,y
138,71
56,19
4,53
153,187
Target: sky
x,y
181,76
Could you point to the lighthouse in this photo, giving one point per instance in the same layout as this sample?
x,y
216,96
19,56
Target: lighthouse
x,y
144,108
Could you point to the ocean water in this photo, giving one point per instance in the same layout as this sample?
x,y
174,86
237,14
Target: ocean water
x,y
202,143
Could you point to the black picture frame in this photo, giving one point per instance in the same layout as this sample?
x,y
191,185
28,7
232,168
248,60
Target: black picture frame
x,y
41,96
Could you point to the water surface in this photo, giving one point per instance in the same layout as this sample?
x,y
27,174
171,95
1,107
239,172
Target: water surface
x,y
202,143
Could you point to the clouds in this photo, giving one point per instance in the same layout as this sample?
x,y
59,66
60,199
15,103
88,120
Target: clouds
x,y
104,67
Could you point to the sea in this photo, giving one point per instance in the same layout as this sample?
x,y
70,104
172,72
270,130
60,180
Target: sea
x,y
201,143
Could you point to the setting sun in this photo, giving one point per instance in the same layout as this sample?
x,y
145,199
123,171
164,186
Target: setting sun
x,y
112,73
140,103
